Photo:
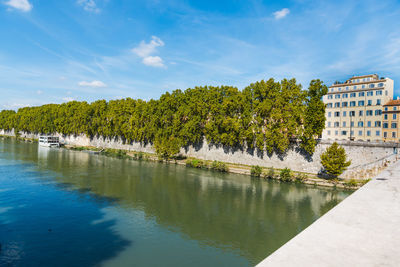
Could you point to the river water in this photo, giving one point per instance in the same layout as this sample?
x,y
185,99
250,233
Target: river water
x,y
69,208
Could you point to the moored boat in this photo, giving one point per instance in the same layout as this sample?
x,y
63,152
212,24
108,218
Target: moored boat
x,y
49,141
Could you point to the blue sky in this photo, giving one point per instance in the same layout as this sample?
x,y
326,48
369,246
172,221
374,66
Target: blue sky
x,y
56,51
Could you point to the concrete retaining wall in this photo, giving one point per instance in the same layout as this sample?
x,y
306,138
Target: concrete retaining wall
x,y
367,157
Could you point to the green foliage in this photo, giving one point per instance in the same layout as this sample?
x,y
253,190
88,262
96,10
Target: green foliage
x,y
285,175
118,153
271,173
166,148
266,115
300,177
219,166
256,171
196,163
334,160
351,183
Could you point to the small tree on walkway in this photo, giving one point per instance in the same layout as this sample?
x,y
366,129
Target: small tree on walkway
x,y
334,160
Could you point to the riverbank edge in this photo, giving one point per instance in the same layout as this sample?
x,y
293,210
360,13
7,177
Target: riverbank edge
x,y
309,178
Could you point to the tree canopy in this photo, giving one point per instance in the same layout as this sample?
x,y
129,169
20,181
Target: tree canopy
x,y
334,160
266,115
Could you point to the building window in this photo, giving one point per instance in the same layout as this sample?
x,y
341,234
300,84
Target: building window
x,y
352,113
361,94
329,96
351,133
329,105
344,104
337,114
360,124
352,124
329,114
371,85
353,95
368,133
385,116
385,125
380,84
369,102
377,124
369,112
394,116
345,95
394,134
378,133
378,101
354,87
394,125
368,123
329,124
379,92
344,132
344,114
363,86
352,103
344,124
336,124
336,132
361,103
329,132
347,88
386,108
360,113
384,134
360,133
337,105
378,112
394,108
370,93
337,96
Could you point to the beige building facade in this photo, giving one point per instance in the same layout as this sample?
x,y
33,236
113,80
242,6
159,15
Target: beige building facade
x,y
391,121
354,108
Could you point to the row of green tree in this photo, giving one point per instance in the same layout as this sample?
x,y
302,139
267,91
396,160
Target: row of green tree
x,y
266,115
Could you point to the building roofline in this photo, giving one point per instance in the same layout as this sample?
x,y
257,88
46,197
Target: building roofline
x,y
347,84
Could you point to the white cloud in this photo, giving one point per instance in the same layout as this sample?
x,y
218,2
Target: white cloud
x,y
22,5
95,84
89,5
39,92
15,106
68,99
153,61
145,51
280,14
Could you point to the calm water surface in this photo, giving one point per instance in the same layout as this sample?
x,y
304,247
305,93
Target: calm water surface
x,y
70,208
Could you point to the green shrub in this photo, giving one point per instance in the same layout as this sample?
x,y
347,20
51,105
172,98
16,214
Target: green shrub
x,y
255,171
196,163
271,173
219,166
286,175
351,183
301,177
334,160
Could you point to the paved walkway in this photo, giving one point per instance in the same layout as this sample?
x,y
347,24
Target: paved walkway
x,y
363,230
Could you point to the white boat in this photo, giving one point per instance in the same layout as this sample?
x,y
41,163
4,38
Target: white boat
x,y
49,141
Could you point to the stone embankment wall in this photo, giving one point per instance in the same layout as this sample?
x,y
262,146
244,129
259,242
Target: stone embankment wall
x,y
367,158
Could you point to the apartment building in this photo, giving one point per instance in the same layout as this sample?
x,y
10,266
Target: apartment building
x,y
391,121
354,108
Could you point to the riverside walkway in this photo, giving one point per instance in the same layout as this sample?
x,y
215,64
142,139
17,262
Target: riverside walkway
x,y
363,230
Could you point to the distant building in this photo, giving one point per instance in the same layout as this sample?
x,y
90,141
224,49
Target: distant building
x,y
354,108
391,121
